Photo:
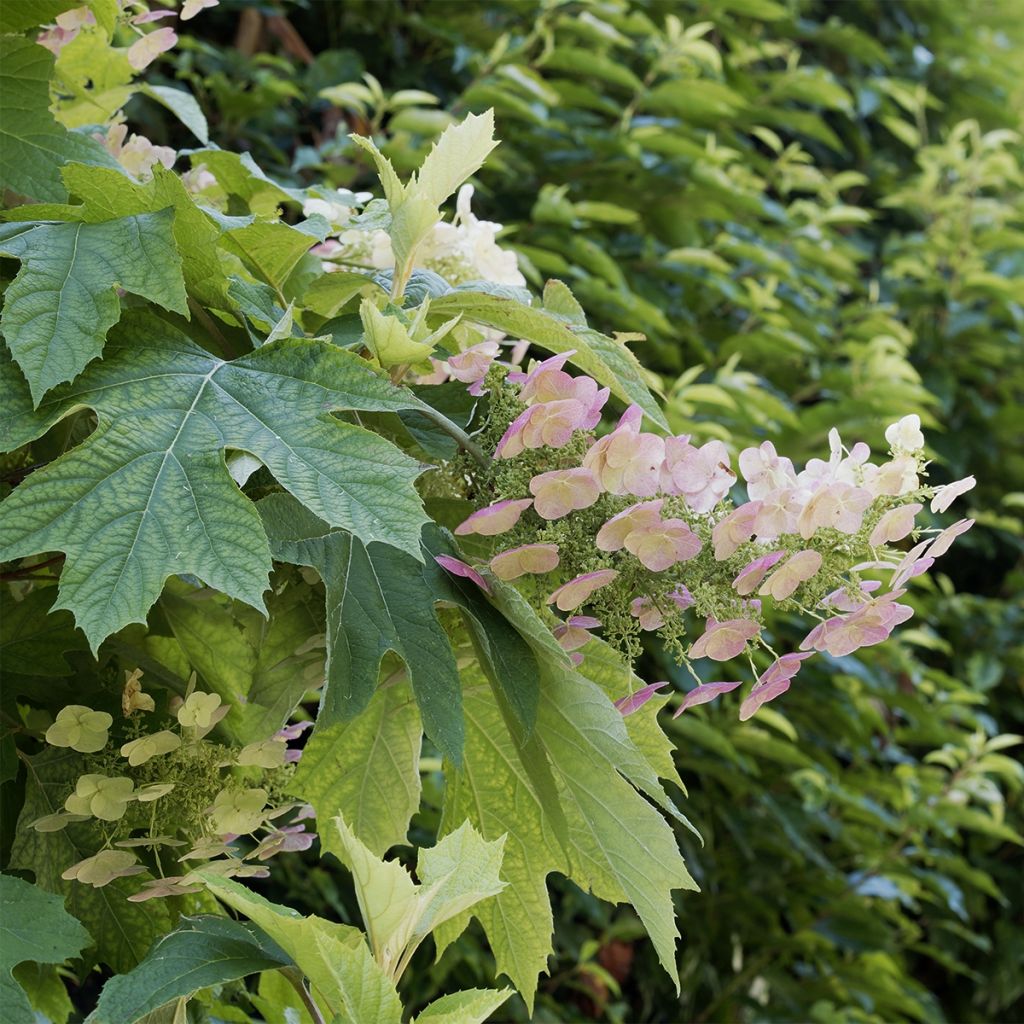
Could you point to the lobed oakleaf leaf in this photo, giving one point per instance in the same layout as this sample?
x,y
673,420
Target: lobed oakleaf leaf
x,y
57,311
148,494
379,600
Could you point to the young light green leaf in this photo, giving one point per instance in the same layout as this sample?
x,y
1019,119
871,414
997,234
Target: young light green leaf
x,y
33,146
272,250
608,361
457,155
57,311
472,1006
347,982
33,926
394,190
367,769
148,494
457,873
388,338
200,952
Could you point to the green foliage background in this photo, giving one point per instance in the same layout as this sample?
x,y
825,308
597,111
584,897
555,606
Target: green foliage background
x,y
814,212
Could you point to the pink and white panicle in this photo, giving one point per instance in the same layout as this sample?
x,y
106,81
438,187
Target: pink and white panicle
x,y
637,529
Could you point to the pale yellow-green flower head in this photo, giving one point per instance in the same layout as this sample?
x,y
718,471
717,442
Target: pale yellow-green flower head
x,y
198,710
141,750
101,796
80,728
266,754
238,811
103,868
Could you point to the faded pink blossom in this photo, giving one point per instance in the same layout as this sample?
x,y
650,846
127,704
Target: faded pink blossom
x,y
290,839
765,470
704,693
894,524
635,701
842,601
574,593
649,614
555,362
735,529
772,683
778,513
612,535
751,574
497,518
682,598
574,633
913,563
702,475
663,545
471,366
459,568
838,505
529,558
724,640
943,541
627,461
144,51
171,885
945,496
797,569
870,624
550,424
562,491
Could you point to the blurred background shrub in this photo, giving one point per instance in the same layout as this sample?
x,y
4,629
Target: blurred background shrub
x,y
814,212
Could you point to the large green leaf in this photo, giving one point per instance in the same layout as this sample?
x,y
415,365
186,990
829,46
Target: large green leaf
x,y
367,769
148,494
260,666
200,952
33,146
33,926
380,600
347,982
608,361
57,311
617,846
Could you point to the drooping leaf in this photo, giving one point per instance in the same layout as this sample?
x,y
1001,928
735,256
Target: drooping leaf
x,y
200,952
608,361
57,311
183,105
618,846
33,146
378,600
347,983
148,494
260,666
33,926
472,1006
367,769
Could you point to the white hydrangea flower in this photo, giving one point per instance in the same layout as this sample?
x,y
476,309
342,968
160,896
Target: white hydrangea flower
x,y
905,435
